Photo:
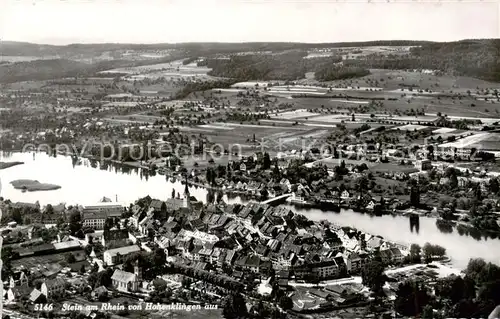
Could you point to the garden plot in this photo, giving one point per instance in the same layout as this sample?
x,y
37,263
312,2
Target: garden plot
x,y
352,101
467,141
444,130
249,84
294,114
410,127
334,118
172,69
300,137
217,126
289,92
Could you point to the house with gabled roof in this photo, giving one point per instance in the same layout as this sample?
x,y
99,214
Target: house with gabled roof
x,y
230,257
125,281
54,288
18,293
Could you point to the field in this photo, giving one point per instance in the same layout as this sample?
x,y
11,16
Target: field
x,y
270,138
294,115
168,70
480,141
410,127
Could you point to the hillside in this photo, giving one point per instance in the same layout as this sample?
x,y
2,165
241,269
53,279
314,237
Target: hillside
x,y
9,48
40,70
475,58
58,68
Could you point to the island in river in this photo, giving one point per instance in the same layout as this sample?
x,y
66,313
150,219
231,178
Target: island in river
x,y
4,165
33,186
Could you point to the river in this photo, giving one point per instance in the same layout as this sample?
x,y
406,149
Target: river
x,y
84,184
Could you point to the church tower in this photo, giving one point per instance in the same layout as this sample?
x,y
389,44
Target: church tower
x,y
137,271
186,203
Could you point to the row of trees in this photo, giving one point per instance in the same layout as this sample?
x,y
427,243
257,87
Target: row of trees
x,y
336,72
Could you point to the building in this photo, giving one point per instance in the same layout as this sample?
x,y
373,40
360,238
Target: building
x,y
111,209
94,237
125,281
320,270
16,294
94,216
54,288
423,165
115,238
18,279
353,262
117,255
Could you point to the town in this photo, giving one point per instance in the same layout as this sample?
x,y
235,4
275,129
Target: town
x,y
244,183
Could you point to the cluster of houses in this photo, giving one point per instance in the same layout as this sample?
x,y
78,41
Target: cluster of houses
x,y
256,239
260,239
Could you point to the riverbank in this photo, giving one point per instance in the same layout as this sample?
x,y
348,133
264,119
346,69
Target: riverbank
x,y
442,270
5,165
33,186
86,183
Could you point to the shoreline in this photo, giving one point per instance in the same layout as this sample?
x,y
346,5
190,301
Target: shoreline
x,y
5,165
245,199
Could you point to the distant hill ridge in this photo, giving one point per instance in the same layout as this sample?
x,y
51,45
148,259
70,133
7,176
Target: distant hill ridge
x,y
475,58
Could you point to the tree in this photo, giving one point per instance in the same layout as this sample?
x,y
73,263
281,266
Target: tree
x,y
82,269
428,312
266,161
453,288
427,252
453,181
70,258
430,251
362,184
373,276
494,186
17,216
285,302
75,224
234,307
49,209
415,253
276,171
477,193
415,196
411,298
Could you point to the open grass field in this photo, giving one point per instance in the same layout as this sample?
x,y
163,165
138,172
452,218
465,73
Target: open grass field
x,y
267,137
153,71
480,141
294,115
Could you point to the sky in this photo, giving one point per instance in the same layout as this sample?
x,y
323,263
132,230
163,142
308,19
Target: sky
x,y
171,21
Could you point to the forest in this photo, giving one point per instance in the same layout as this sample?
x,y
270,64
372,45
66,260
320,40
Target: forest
x,y
474,58
289,65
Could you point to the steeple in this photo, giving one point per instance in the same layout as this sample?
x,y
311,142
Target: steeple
x,y
186,203
186,189
137,270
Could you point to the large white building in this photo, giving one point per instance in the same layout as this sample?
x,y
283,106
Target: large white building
x,y
95,216
117,255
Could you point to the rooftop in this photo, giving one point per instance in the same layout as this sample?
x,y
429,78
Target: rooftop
x,y
123,250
